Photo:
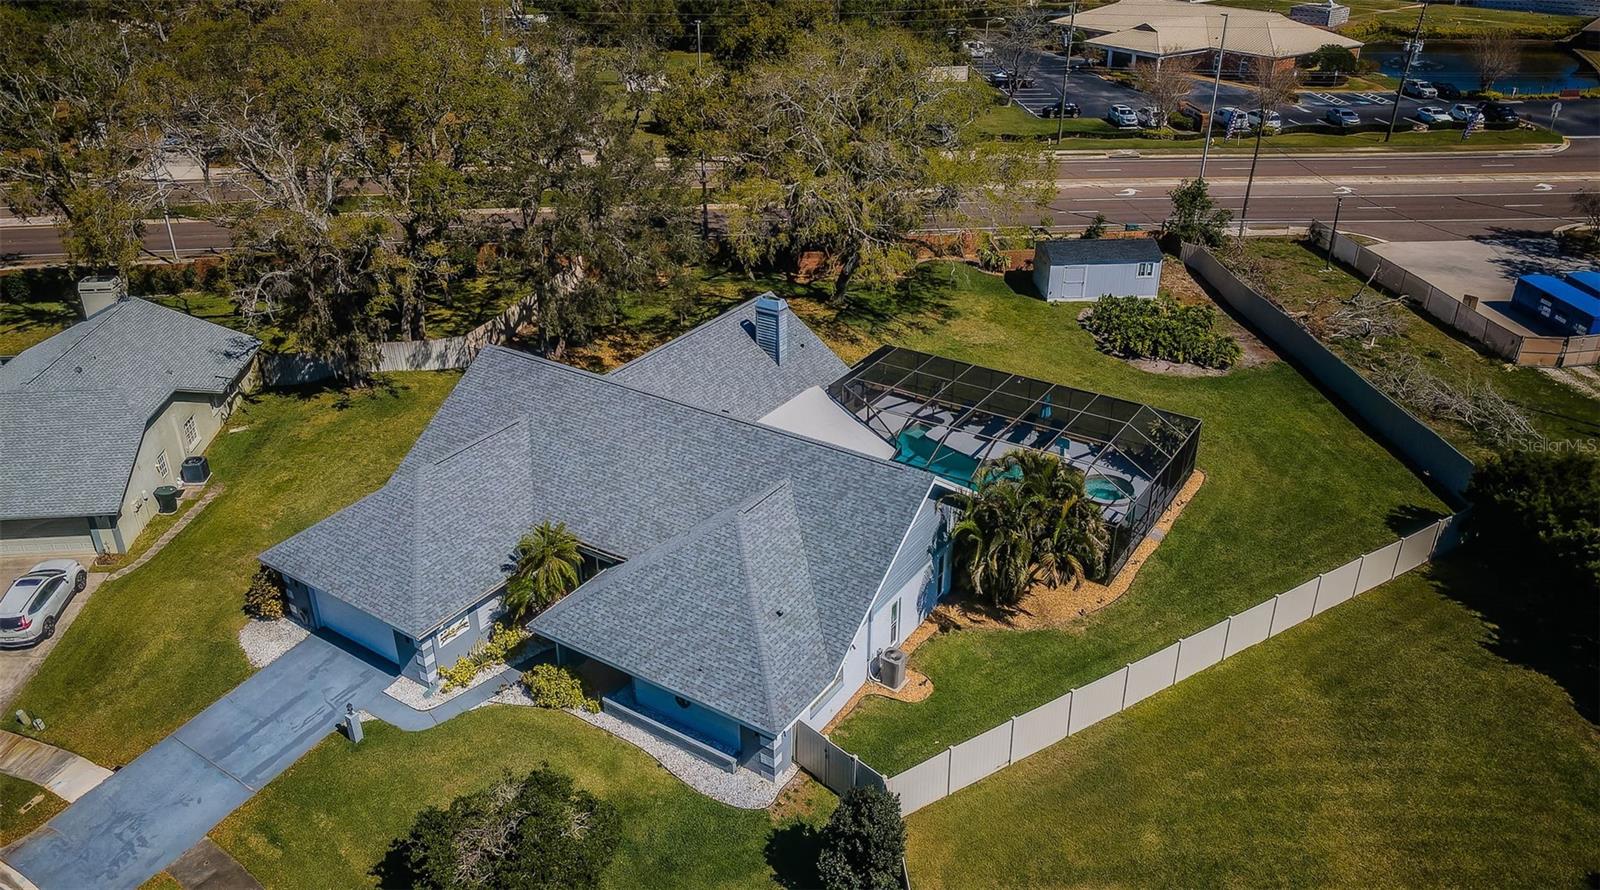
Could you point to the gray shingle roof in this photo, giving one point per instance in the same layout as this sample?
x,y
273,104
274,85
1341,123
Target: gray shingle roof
x,y
1100,251
758,641
649,479
73,409
719,367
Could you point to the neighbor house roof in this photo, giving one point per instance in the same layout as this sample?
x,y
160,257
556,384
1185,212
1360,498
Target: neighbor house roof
x,y
1174,27
718,366
645,478
1100,251
73,409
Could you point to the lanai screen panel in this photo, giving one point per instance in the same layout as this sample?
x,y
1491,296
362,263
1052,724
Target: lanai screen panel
x,y
949,417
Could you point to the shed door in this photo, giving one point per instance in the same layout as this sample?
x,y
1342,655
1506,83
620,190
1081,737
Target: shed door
x,y
1072,278
347,621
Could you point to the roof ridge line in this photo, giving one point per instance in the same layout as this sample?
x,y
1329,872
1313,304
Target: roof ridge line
x,y
521,418
606,378
765,657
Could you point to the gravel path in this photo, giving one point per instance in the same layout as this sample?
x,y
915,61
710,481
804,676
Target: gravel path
x,y
743,789
264,641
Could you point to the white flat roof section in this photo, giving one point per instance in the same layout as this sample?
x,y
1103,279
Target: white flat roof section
x,y
815,415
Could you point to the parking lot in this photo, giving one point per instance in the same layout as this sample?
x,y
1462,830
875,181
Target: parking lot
x,y
1094,95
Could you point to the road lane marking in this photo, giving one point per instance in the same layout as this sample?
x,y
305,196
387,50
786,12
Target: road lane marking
x,y
1369,167
1497,165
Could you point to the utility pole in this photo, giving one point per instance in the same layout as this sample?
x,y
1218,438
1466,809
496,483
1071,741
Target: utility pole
x,y
1333,233
1216,83
1413,49
1066,71
697,44
1244,209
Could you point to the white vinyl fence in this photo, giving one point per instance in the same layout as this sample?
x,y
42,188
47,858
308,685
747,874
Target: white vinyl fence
x,y
961,765
832,765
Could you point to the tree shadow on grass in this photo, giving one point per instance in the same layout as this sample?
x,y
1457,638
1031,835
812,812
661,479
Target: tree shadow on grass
x,y
1523,630
1408,518
393,871
792,850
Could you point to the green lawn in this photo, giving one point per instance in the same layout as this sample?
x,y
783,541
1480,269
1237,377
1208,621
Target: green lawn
x,y
1379,745
16,794
153,648
1395,19
1293,488
329,819
1292,273
27,322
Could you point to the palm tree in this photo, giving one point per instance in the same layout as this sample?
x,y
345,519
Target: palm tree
x,y
1028,521
547,562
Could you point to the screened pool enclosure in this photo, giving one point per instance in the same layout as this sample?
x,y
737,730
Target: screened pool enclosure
x,y
949,417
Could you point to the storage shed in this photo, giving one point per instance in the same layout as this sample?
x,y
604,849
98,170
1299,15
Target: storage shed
x,y
1088,269
1566,304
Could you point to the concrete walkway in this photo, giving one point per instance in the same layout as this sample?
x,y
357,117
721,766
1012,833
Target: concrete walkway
x,y
163,803
393,711
209,867
67,775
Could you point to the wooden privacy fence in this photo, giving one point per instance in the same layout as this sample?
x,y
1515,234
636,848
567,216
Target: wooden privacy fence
x,y
961,765
832,765
1521,349
294,369
1424,449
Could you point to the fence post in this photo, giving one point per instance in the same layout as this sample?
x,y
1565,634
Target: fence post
x,y
1125,672
949,767
1011,745
855,770
1226,632
1175,662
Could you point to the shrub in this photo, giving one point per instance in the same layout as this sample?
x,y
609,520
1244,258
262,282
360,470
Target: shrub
x,y
503,638
863,843
557,687
1540,511
537,832
264,598
1163,329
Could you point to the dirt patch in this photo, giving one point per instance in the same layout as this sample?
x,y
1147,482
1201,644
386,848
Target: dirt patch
x,y
802,798
1584,380
1057,606
1177,281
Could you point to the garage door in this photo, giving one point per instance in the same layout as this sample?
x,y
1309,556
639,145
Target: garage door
x,y
353,624
40,536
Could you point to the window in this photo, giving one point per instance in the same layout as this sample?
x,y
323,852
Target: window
x,y
1147,269
894,623
455,630
191,433
43,596
161,465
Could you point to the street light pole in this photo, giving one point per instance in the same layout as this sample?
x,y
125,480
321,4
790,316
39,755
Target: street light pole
x,y
1216,84
1066,71
1333,233
696,43
1413,49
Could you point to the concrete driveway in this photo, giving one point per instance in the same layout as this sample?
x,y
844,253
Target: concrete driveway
x,y
17,665
146,815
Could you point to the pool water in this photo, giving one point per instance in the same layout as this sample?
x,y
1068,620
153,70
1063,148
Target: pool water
x,y
1107,490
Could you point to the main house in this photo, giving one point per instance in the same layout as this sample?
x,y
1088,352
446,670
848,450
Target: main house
x,y
756,537
95,418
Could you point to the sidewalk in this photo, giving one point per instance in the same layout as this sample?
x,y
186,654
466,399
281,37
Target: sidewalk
x,y
67,775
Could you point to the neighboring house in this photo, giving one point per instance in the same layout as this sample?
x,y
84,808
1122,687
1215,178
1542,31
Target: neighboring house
x,y
1133,31
1322,15
1086,269
95,418
741,576
752,544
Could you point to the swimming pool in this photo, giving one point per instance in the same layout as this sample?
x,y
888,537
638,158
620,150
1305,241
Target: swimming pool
x,y
1108,489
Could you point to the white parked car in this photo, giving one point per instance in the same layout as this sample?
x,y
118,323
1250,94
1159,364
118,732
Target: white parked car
x,y
1342,117
976,48
1122,116
1463,111
34,602
1420,89
1274,122
1432,114
1150,117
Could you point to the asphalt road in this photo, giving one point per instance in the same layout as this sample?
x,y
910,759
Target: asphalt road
x,y
1578,117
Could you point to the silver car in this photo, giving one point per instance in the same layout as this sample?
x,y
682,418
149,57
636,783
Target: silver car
x,y
34,602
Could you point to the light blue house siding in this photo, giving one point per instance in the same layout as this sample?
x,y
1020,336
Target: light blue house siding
x,y
710,726
1062,274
